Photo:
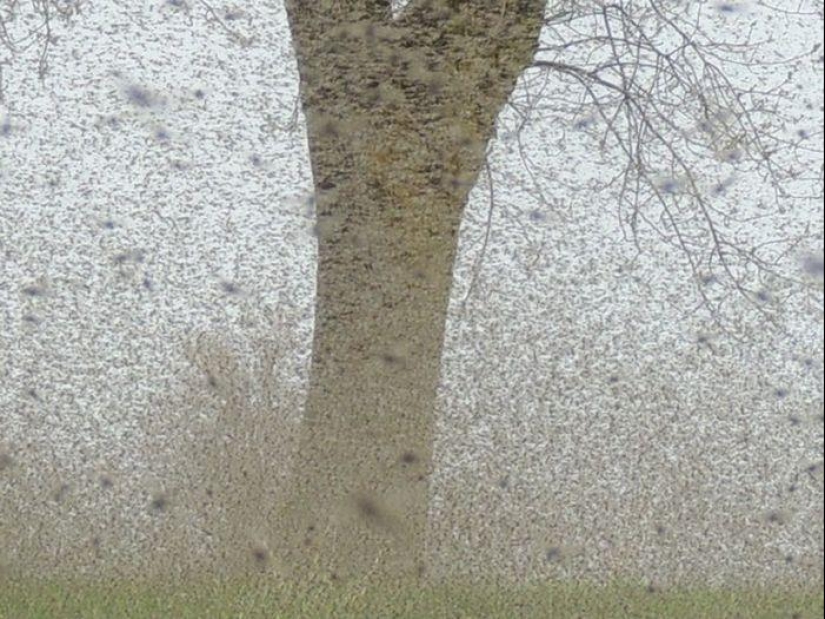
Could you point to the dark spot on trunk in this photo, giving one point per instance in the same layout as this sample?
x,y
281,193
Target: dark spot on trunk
x,y
159,503
390,359
260,555
367,508
61,492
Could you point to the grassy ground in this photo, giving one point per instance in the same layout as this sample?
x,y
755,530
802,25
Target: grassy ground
x,y
249,599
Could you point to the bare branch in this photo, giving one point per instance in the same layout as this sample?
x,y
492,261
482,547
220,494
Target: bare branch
x,y
657,81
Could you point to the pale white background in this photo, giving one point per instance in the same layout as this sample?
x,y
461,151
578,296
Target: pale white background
x,y
153,188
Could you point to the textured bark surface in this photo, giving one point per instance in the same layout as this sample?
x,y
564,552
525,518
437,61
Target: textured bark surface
x,y
399,113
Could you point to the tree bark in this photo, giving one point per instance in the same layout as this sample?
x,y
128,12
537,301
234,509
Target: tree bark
x,y
399,114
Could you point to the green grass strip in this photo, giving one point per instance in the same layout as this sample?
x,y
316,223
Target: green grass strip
x,y
272,600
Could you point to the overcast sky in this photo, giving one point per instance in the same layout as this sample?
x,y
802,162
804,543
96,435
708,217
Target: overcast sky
x,y
154,188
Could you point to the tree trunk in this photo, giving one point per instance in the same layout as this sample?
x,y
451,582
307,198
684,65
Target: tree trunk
x,y
399,113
